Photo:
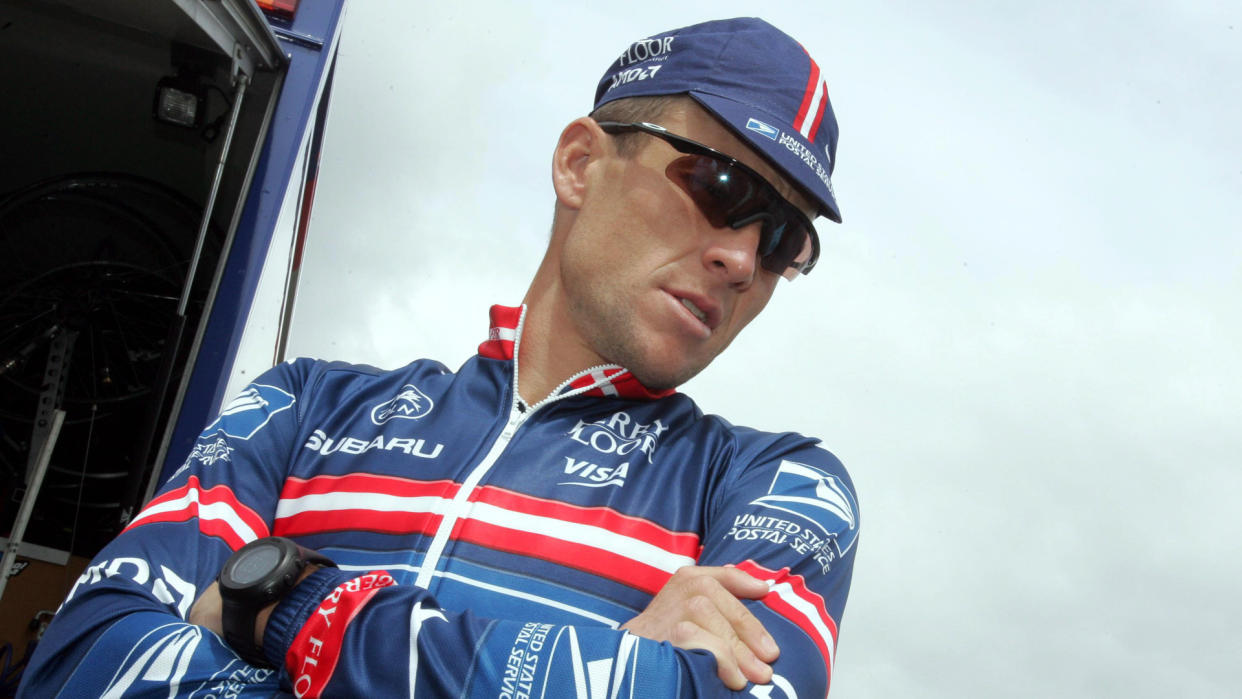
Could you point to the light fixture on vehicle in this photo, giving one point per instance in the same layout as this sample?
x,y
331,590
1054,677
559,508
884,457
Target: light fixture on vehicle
x,y
179,100
282,9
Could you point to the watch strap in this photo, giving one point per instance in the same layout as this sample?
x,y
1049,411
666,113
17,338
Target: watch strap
x,y
240,608
238,619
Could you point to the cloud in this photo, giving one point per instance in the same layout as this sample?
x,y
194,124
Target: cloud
x,y
1023,341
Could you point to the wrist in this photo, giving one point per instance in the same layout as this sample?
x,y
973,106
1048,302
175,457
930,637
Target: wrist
x,y
291,614
253,581
261,619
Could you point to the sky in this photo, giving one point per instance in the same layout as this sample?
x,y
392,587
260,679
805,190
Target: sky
x,y
1023,340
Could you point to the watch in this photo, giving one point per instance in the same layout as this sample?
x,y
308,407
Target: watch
x,y
256,575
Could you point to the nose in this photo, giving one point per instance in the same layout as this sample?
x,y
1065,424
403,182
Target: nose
x,y
733,253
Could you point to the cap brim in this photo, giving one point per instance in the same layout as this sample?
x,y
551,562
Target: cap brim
x,y
788,151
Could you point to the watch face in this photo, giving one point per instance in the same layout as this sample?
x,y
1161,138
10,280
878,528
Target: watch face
x,y
254,565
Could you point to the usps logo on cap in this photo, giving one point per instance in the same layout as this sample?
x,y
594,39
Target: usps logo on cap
x,y
765,130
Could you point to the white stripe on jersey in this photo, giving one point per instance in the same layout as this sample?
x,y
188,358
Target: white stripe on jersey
x,y
572,532
808,610
219,511
378,502
528,596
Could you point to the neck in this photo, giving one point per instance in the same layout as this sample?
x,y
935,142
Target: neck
x,y
549,351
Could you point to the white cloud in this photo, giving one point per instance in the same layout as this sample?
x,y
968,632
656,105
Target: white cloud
x,y
1023,341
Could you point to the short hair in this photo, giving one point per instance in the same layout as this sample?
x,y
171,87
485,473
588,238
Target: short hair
x,y
626,110
632,109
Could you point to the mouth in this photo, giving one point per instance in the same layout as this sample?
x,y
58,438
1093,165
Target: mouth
x,y
698,312
703,308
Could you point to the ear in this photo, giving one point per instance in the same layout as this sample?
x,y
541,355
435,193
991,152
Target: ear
x,y
581,143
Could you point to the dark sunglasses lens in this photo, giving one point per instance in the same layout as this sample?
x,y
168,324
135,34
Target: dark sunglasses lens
x,y
722,193
728,196
785,246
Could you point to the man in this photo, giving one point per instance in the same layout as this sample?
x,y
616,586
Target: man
x,y
553,519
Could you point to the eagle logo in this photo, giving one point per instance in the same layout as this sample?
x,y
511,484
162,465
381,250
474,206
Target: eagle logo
x,y
409,404
249,412
817,497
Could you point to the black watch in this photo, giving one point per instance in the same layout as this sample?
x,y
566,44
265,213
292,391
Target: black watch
x,y
256,575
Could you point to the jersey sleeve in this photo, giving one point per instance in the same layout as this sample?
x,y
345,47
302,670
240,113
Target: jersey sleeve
x,y
122,629
786,514
789,515
340,634
347,635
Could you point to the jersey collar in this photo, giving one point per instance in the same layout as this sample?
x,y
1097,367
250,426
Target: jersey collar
x,y
606,380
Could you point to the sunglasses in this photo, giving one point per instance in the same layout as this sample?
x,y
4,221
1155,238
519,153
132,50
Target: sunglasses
x,y
729,193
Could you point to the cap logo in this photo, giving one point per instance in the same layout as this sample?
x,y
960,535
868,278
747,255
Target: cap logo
x,y
749,76
647,48
765,130
629,76
808,158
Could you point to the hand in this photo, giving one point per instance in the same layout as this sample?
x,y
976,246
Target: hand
x,y
207,610
698,609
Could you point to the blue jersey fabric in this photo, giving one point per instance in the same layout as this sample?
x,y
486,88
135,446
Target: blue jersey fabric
x,y
486,548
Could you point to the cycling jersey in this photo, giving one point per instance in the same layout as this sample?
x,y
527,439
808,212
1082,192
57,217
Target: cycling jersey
x,y
486,548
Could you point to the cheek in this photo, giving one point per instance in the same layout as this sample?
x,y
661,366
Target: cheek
x,y
653,213
755,301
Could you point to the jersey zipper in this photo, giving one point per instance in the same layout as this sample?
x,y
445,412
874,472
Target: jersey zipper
x,y
518,414
458,505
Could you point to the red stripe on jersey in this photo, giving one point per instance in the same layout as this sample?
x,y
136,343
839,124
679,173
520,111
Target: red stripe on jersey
x,y
589,559
312,657
791,599
366,483
592,378
680,543
503,318
623,382
327,521
217,509
342,514
628,386
501,342
644,550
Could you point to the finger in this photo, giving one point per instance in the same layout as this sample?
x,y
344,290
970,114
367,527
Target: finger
x,y
742,625
710,618
739,583
689,635
749,630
